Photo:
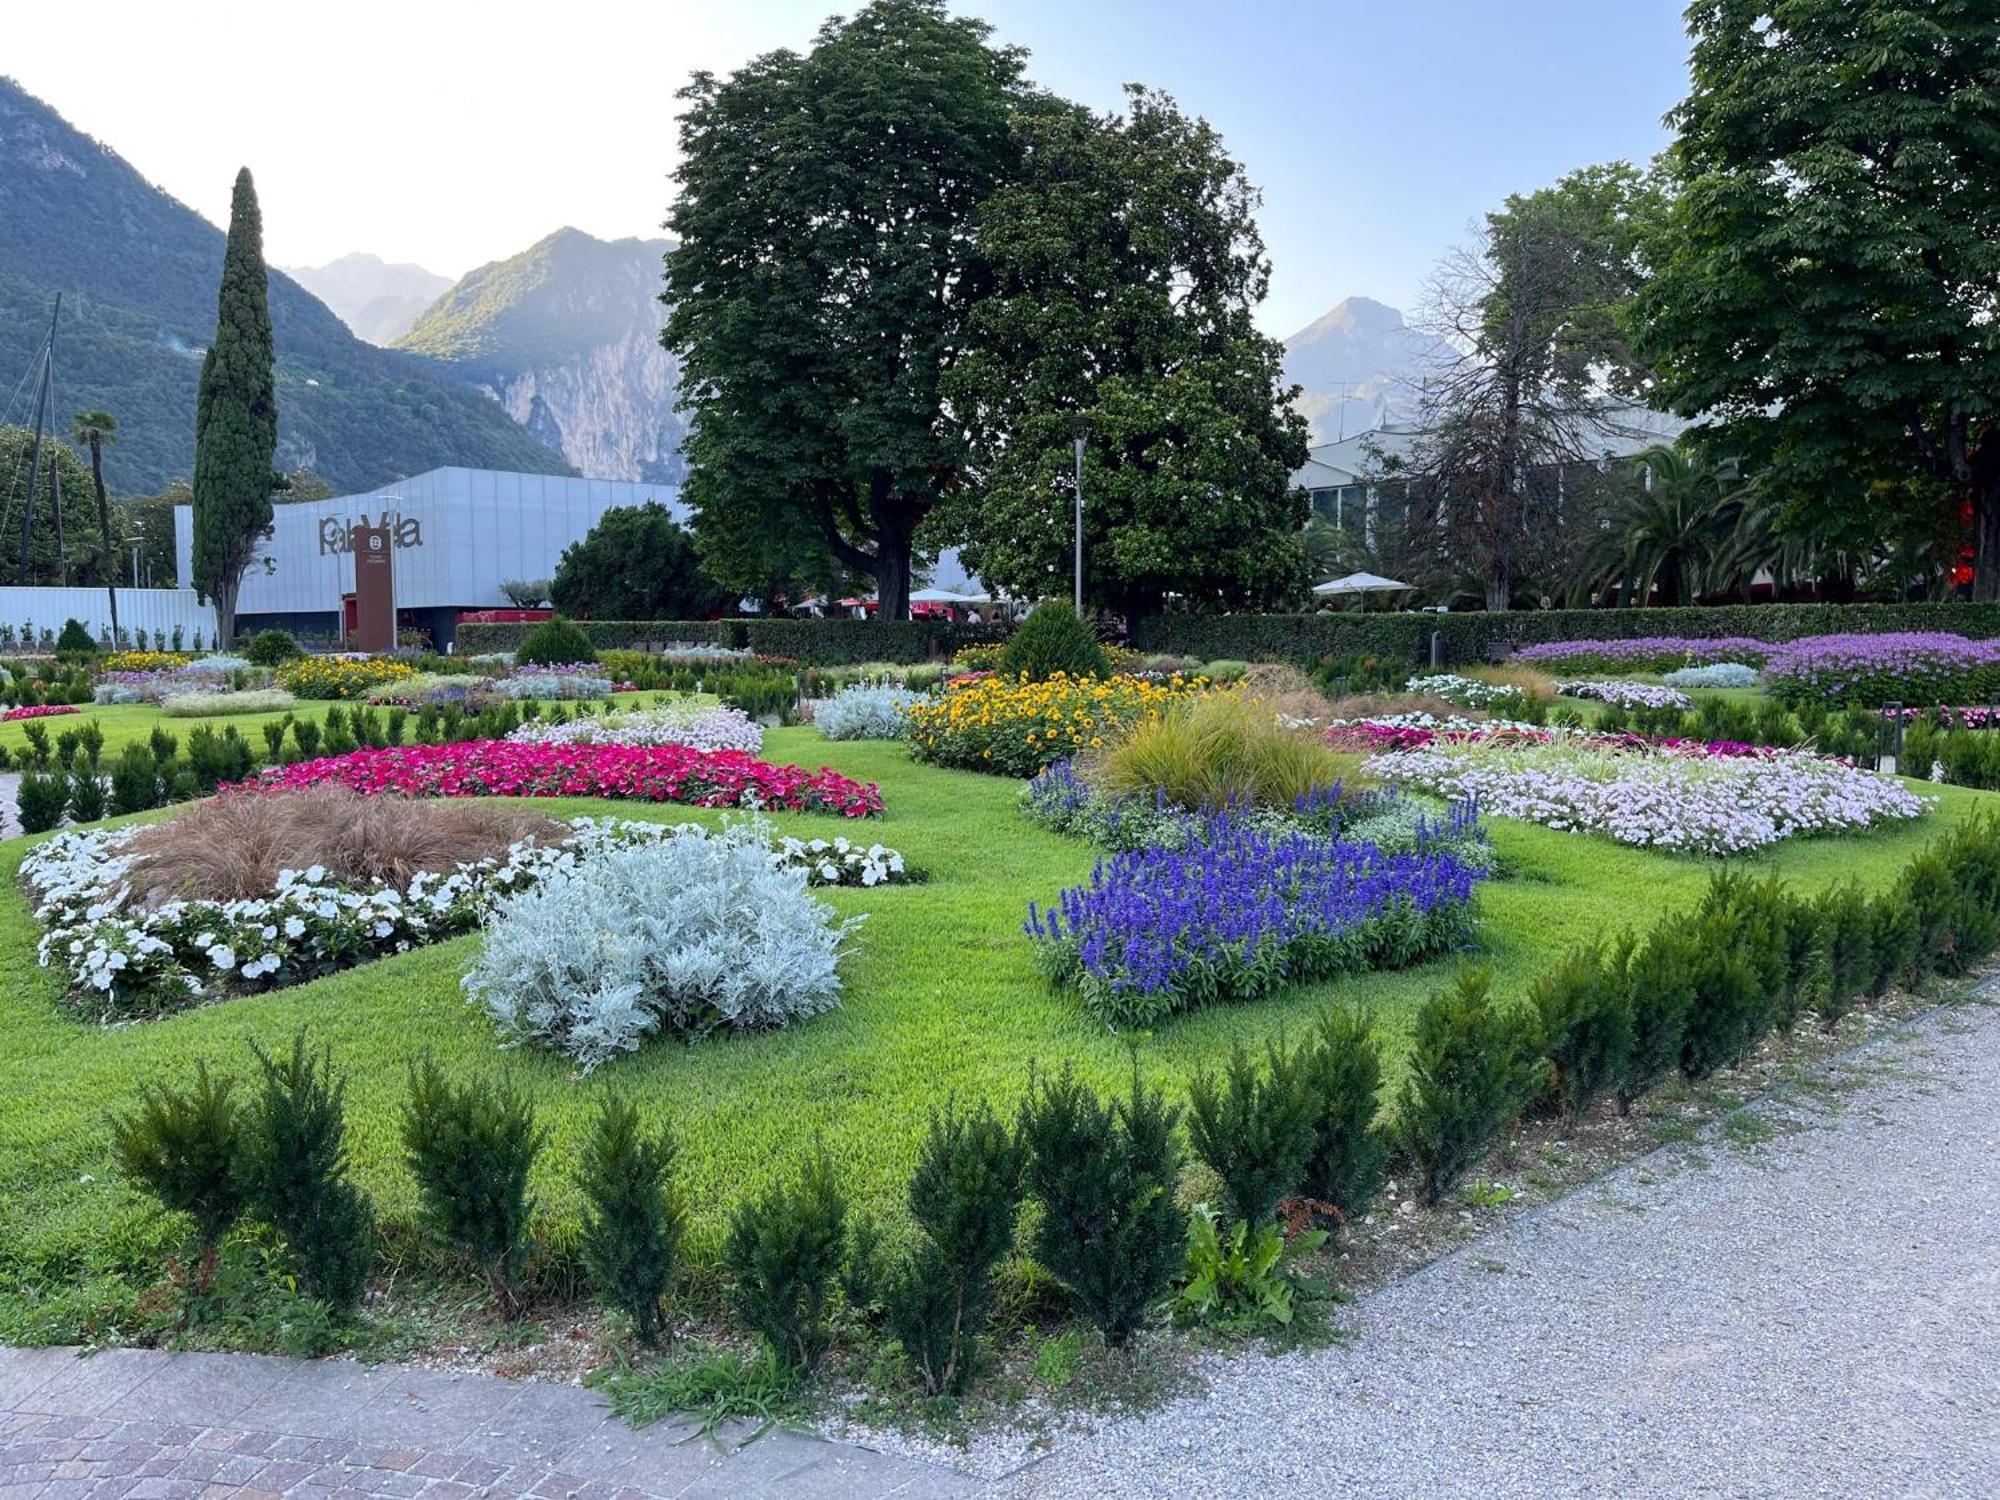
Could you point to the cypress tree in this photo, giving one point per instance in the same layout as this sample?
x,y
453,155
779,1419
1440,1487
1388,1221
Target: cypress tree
x,y
236,418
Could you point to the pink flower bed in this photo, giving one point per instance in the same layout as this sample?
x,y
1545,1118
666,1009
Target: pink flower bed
x,y
643,773
37,711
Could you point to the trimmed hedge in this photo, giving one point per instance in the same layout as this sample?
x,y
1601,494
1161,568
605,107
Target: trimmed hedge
x,y
1468,636
811,642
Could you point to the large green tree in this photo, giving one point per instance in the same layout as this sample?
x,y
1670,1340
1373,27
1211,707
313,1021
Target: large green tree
x,y
236,418
636,564
821,283
1825,290
1126,271
72,552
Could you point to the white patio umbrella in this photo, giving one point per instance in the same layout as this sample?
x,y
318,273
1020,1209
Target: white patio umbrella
x,y
1360,583
943,596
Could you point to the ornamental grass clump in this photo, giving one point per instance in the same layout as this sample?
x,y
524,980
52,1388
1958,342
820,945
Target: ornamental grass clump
x,y
216,705
1214,752
1241,912
1102,1175
693,934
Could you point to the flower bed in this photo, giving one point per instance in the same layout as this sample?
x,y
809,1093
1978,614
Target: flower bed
x,y
645,773
157,686
124,960
1466,692
552,683
1013,727
1240,913
698,726
37,711
142,661
1626,694
1694,799
1870,670
215,705
1718,674
867,711
1645,653
340,677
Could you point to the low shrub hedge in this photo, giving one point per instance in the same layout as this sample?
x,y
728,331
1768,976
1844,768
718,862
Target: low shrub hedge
x,y
1468,636
813,642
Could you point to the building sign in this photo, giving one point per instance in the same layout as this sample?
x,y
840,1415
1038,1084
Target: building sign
x,y
337,536
374,588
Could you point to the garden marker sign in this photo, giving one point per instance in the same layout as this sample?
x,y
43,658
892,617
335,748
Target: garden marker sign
x,y
374,588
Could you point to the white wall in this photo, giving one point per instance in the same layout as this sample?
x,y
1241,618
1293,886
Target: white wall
x,y
138,609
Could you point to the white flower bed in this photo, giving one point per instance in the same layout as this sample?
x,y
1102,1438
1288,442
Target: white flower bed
x,y
1626,694
1683,800
1720,674
698,726
125,961
866,711
1466,692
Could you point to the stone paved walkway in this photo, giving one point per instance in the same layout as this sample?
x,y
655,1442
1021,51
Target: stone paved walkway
x,y
129,1424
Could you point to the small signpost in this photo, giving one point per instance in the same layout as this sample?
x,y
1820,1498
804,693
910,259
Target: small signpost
x,y
374,589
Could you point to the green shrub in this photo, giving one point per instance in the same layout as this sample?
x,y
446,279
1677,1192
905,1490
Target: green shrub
x,y
90,740
1254,1129
1240,1278
1103,1177
76,640
306,733
964,1196
632,1218
555,643
336,733
217,758
1342,1076
1474,1063
1659,986
271,648
37,736
274,738
86,794
1740,969
783,1253
294,1173
165,744
39,800
471,1150
181,1149
1585,1011
1846,924
1053,640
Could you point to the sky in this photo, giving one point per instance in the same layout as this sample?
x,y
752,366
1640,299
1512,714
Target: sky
x,y
451,134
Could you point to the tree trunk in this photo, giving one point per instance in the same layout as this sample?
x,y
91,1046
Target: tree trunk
x,y
1499,584
104,531
892,576
1986,540
225,612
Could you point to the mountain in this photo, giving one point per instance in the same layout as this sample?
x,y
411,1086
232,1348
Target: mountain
x,y
566,337
138,273
380,300
1358,364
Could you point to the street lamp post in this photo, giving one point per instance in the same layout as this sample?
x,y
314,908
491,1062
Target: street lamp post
x,y
1079,528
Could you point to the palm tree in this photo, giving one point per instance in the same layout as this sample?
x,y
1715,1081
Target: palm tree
x,y
1664,529
95,429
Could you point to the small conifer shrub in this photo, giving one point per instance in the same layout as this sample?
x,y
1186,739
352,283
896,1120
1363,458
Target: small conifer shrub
x,y
1659,989
556,642
1586,1016
632,1216
1053,640
1342,1068
1474,1063
471,1150
1255,1129
181,1148
784,1252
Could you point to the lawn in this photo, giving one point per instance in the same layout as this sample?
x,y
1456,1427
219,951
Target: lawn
x,y
942,1000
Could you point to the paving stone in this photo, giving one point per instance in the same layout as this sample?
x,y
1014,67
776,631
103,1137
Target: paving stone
x,y
539,1426
80,1388
209,1389
320,1399
24,1371
426,1409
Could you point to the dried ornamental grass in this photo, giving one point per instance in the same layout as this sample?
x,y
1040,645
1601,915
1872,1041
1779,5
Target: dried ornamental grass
x,y
232,847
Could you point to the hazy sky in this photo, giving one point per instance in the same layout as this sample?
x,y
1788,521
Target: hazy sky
x,y
452,133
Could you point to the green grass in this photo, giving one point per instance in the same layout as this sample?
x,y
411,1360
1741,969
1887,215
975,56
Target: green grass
x,y
942,1000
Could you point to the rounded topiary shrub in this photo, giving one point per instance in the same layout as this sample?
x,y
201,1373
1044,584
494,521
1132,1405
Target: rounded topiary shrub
x,y
271,648
1053,640
75,640
555,642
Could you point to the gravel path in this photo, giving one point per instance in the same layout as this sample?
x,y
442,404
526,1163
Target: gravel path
x,y
1804,1303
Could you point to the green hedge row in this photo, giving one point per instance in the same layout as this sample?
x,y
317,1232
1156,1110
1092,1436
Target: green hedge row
x,y
1471,636
813,642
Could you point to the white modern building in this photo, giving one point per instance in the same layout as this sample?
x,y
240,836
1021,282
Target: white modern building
x,y
459,534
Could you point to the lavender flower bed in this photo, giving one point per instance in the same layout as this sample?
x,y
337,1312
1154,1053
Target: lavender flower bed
x,y
1626,694
1871,670
1683,799
1645,653
1241,912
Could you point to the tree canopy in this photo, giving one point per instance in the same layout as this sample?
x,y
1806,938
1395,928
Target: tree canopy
x,y
820,287
78,540
1825,288
636,564
236,418
1126,268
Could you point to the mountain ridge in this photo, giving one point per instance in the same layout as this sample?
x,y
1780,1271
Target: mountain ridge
x,y
379,300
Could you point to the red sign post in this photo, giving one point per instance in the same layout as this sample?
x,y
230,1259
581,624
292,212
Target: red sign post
x,y
374,589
